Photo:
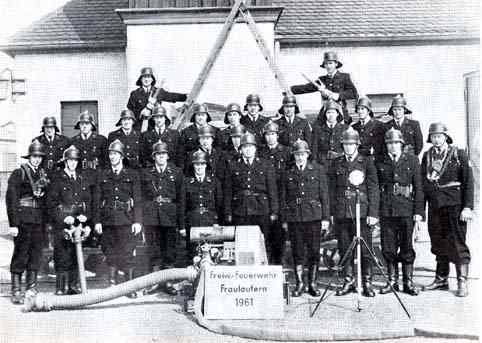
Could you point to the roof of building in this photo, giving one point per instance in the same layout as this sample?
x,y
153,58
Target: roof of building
x,y
95,24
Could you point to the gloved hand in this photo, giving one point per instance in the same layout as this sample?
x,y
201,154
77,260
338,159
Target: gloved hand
x,y
229,219
98,228
325,228
182,232
145,113
136,228
273,217
466,214
371,221
13,231
417,218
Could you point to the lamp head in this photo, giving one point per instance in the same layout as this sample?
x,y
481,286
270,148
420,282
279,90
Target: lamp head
x,y
356,177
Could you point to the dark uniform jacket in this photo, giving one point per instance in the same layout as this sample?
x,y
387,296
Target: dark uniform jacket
x,y
342,192
327,141
19,193
117,198
455,187
372,136
54,150
304,194
69,197
255,127
250,190
190,139
340,83
401,192
203,201
93,150
163,196
132,146
290,133
170,137
412,134
216,163
277,158
138,100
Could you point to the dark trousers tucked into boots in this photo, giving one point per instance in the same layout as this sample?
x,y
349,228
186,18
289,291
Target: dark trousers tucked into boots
x,y
61,283
130,276
313,286
391,279
31,288
441,276
462,276
408,286
349,282
17,297
300,287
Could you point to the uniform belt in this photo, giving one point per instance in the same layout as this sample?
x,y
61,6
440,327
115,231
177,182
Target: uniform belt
x,y
69,209
161,200
349,193
90,164
119,205
250,193
29,202
450,184
299,201
398,189
200,209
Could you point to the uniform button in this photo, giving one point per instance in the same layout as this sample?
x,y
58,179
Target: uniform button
x,y
50,153
249,172
116,197
302,184
249,186
200,197
76,194
396,175
249,179
302,193
85,151
116,188
127,146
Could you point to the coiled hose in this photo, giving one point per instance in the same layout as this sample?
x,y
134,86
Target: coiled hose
x,y
48,302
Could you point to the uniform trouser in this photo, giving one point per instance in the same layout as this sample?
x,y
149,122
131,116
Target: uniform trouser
x,y
65,258
161,245
277,241
118,245
447,235
305,234
27,248
264,223
396,233
345,231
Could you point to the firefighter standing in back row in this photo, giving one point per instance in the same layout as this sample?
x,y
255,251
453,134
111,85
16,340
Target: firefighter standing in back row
x,y
130,138
401,206
449,190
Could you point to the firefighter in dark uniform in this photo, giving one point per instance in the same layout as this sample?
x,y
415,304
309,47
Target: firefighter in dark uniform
x,y
161,131
233,151
291,126
189,135
305,211
232,118
253,120
277,156
130,138
449,190
162,189
26,213
412,134
54,144
70,195
143,100
250,192
327,132
337,85
401,206
371,131
203,197
343,201
92,145
118,213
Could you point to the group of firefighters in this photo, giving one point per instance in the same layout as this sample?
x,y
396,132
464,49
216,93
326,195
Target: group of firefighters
x,y
290,177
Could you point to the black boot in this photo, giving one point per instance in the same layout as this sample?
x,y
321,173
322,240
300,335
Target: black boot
x,y
396,275
441,278
60,283
73,283
391,279
312,286
112,275
462,276
349,283
17,297
130,276
300,287
408,286
31,288
367,286
155,288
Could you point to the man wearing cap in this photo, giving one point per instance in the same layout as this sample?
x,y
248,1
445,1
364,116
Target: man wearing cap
x,y
250,192
232,118
233,149
130,138
343,203
412,134
189,135
162,189
25,201
335,85
401,206
70,195
449,190
305,212
327,132
371,130
118,213
291,126
143,99
161,131
254,121
277,156
54,143
92,146
203,197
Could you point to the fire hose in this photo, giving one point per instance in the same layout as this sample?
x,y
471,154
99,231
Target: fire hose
x,y
47,302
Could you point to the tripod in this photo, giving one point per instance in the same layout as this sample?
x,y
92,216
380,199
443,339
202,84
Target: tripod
x,y
356,244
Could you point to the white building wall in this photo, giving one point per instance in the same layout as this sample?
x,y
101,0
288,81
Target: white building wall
x,y
53,78
430,77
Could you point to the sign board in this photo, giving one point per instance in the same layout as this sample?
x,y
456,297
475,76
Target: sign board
x,y
244,292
